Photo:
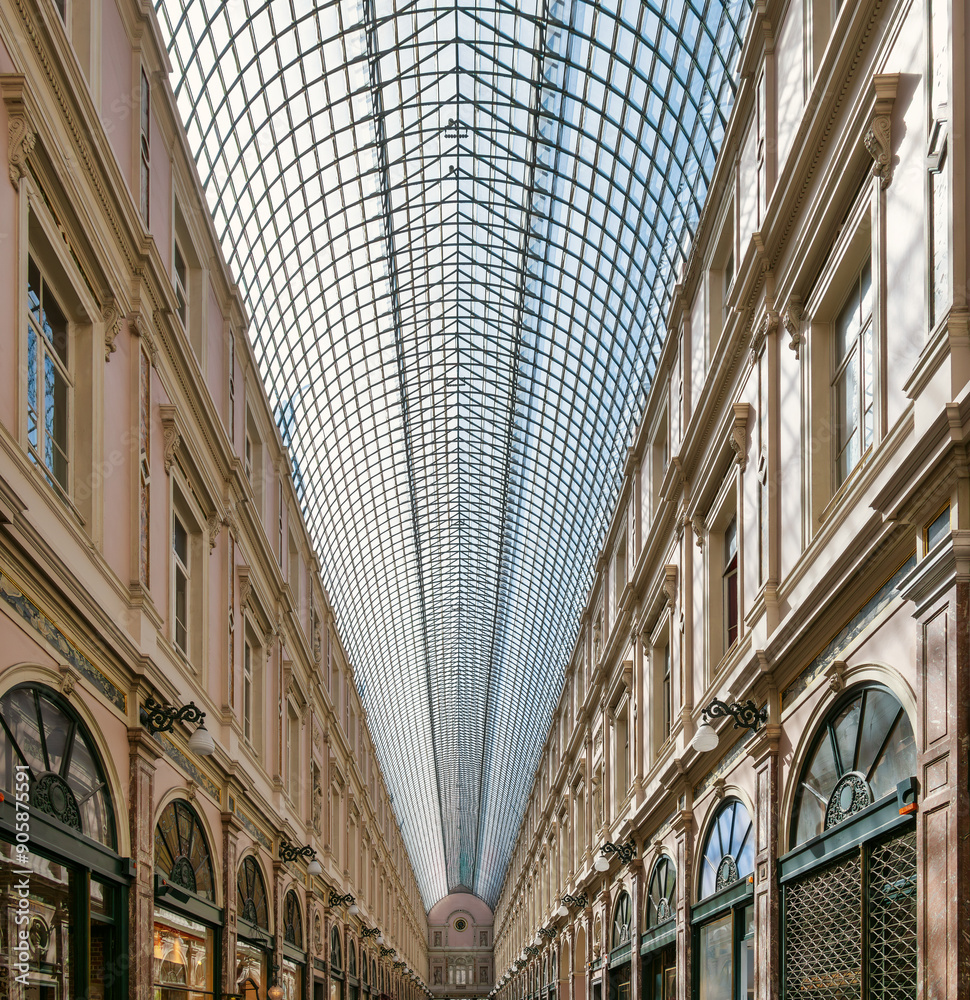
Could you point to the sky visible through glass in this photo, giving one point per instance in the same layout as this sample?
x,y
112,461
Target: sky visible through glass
x,y
456,227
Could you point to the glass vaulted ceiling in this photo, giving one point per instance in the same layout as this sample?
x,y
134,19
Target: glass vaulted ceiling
x,y
456,226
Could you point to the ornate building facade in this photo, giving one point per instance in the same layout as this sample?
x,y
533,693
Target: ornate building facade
x,y
791,540
153,553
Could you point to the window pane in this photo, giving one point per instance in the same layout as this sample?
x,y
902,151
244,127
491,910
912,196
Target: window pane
x,y
717,959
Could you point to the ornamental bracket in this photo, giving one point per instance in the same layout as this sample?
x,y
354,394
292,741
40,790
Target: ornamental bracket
x,y
878,137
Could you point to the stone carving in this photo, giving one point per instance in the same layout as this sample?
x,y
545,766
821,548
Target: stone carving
x,y
172,435
878,137
739,434
21,135
111,316
793,323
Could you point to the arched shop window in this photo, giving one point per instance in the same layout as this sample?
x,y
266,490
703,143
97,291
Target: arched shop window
x,y
353,983
253,942
293,970
660,892
729,849
621,921
77,883
723,920
336,965
657,950
292,921
849,882
186,922
181,852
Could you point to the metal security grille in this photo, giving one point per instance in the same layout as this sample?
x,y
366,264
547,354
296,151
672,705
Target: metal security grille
x,y
823,933
891,891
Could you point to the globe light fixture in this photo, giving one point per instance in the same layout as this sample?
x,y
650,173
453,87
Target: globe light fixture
x,y
158,718
746,715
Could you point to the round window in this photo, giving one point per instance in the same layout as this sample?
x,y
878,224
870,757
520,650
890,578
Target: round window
x,y
460,924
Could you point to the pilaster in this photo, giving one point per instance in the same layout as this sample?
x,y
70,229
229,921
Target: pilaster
x,y
143,751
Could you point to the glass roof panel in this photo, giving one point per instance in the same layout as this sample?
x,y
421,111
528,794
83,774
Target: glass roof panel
x,y
456,227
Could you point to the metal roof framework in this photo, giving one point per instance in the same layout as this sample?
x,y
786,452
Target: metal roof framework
x,y
456,226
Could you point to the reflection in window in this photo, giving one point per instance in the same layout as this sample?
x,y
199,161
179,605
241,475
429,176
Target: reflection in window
x,y
67,780
184,957
729,851
251,893
621,921
181,852
858,756
48,379
854,376
660,892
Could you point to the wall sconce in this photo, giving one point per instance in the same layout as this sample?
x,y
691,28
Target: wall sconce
x,y
157,718
746,716
372,932
290,853
580,900
347,900
626,853
275,991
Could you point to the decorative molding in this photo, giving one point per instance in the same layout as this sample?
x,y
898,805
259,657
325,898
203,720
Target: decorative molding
x,y
739,434
172,432
213,528
138,327
111,317
69,678
670,585
21,134
835,674
45,627
878,137
793,323
245,587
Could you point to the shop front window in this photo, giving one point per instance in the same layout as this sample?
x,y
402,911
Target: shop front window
x,y
251,968
183,957
66,876
849,882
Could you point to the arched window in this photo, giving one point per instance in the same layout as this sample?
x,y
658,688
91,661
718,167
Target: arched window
x,y
251,893
729,849
336,952
660,892
292,920
181,850
861,751
849,882
621,921
67,778
351,960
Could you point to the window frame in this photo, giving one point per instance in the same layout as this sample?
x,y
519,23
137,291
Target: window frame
x,y
183,506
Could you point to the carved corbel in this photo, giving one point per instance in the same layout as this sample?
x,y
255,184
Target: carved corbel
x,y
718,785
835,674
878,137
172,433
69,678
111,317
139,327
670,585
245,587
697,524
21,134
739,434
213,527
793,323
